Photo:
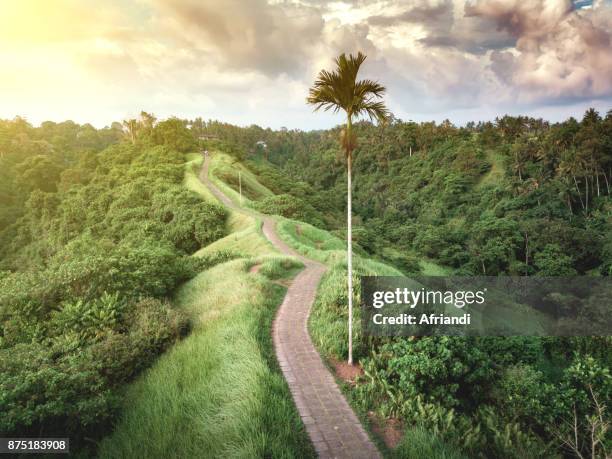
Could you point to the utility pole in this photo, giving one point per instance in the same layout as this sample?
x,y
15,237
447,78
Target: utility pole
x,y
240,186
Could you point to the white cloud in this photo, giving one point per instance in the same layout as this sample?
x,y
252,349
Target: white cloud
x,y
559,52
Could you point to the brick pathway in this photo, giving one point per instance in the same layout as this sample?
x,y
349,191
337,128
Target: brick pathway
x,y
333,427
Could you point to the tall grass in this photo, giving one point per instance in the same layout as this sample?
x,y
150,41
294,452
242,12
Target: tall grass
x,y
429,268
329,313
219,392
419,443
191,180
248,241
244,231
497,172
223,172
329,316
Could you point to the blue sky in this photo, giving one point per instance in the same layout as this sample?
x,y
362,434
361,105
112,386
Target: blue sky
x,y
582,3
252,61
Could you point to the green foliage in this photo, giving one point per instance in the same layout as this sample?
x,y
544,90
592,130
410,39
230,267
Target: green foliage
x,y
87,266
321,202
38,173
486,199
93,238
407,263
67,384
502,405
279,268
524,394
80,283
219,392
551,261
419,442
88,320
173,134
480,397
448,370
519,196
288,206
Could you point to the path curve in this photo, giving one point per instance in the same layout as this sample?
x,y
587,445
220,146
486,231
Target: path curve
x,y
333,427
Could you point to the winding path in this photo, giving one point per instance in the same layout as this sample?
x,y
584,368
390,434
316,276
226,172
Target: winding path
x,y
333,427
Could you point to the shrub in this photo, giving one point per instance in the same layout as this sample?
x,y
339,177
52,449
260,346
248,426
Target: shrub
x,y
43,395
418,442
84,277
505,351
67,384
88,319
523,395
409,264
289,206
450,371
553,261
582,420
153,327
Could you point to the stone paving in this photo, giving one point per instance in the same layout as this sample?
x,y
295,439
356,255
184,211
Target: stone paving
x,y
333,427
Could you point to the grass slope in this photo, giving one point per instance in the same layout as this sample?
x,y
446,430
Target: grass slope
x,y
496,174
329,314
223,172
219,392
191,180
244,232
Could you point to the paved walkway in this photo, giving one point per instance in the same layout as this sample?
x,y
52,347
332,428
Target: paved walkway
x,y
333,427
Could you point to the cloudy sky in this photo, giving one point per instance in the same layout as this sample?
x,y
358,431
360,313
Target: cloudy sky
x,y
252,61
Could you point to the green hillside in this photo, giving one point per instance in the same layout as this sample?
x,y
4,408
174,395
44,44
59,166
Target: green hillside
x,y
496,198
136,309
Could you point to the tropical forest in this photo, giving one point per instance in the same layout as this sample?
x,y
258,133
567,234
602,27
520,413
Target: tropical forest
x,y
136,308
306,229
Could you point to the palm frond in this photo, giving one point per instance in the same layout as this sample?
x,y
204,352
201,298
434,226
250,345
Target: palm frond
x,y
375,110
339,90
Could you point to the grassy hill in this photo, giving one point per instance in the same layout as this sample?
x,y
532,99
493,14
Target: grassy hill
x,y
132,302
220,389
460,391
231,308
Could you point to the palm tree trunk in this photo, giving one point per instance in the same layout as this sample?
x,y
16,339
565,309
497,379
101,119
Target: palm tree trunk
x,y
526,250
586,199
578,190
349,238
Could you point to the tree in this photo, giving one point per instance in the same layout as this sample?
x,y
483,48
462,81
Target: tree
x,y
147,121
174,134
38,172
131,129
339,90
553,261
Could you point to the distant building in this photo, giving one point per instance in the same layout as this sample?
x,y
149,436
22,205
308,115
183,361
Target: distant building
x,y
261,143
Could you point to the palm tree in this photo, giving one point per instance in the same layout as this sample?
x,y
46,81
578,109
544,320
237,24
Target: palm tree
x,y
339,90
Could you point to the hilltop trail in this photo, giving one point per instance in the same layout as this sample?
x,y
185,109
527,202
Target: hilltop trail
x,y
333,427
